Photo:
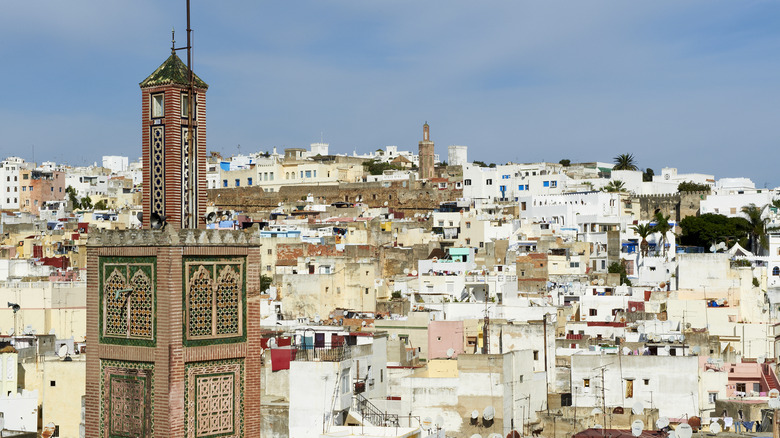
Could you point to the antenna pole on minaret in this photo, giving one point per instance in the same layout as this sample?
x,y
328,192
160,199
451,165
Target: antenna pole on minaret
x,y
191,219
173,40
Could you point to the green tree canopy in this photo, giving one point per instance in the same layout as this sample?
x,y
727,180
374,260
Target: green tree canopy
x,y
647,175
625,162
712,228
565,162
615,186
375,167
690,186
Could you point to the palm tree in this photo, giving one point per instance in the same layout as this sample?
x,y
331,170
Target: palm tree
x,y
758,229
662,226
624,162
643,230
615,186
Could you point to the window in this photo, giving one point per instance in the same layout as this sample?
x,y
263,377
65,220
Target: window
x,y
214,308
468,225
249,181
489,182
553,184
776,271
158,105
366,291
270,251
586,383
308,174
224,183
741,387
629,389
712,396
592,312
468,241
185,105
522,206
504,176
52,188
238,182
502,188
574,264
52,383
467,182
647,381
521,187
271,176
536,354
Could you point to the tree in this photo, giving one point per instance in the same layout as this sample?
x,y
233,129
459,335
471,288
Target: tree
x,y
86,203
624,162
711,228
265,282
74,199
662,226
758,229
647,175
615,186
619,268
643,230
375,167
479,163
690,186
101,205
565,162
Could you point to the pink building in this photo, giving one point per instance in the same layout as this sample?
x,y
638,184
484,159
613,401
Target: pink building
x,y
443,335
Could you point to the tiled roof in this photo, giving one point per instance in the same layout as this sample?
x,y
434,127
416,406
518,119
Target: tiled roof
x,y
172,71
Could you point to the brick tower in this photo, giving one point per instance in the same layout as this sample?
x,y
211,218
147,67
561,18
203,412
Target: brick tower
x,y
426,154
173,314
164,128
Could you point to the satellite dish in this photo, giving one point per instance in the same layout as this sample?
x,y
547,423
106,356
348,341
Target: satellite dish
x,y
638,408
157,221
363,323
474,414
774,403
761,359
774,393
595,411
427,422
63,351
684,431
662,422
637,427
633,308
272,343
450,353
667,349
439,420
598,426
696,350
713,248
626,350
210,217
140,216
671,434
662,285
601,282
715,428
385,204
52,332
272,293
489,413
406,271
414,272
722,245
464,295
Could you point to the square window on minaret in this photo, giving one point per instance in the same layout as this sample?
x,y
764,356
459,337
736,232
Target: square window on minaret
x,y
185,105
157,105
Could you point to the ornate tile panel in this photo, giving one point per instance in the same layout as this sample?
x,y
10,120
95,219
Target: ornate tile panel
x,y
126,399
214,301
128,300
157,158
213,398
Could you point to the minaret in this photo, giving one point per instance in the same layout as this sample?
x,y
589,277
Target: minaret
x,y
426,154
164,128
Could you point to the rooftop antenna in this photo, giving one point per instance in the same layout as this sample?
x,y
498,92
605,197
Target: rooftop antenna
x,y
190,213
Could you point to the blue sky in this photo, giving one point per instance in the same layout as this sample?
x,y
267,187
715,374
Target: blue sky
x,y
687,84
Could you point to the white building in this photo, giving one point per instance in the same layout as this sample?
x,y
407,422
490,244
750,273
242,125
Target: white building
x,y
9,182
508,182
115,163
457,155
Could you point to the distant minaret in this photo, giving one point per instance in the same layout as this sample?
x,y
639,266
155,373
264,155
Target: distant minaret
x,y
426,154
164,121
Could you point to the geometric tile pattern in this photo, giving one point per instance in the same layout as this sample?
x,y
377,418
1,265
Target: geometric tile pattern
x,y
128,299
185,169
214,303
126,403
213,398
157,156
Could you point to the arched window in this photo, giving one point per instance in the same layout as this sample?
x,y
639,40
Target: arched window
x,y
776,271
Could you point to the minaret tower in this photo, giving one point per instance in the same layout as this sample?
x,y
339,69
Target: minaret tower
x,y
165,122
426,154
